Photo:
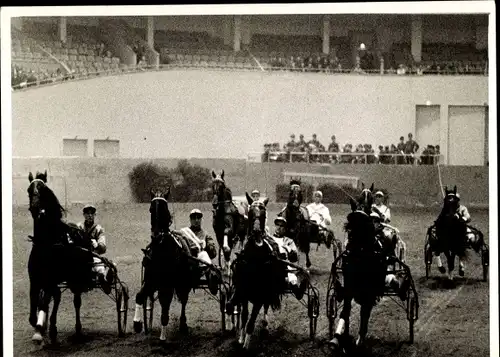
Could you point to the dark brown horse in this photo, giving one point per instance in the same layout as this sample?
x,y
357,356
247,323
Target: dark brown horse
x,y
56,257
229,221
259,277
364,269
166,266
450,233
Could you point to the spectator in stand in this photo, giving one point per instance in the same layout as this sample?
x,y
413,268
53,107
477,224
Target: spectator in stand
x,y
392,151
347,159
411,148
334,148
381,156
366,59
400,160
437,153
301,144
290,147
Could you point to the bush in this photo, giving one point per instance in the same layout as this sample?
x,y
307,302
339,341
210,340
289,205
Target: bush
x,y
188,183
283,191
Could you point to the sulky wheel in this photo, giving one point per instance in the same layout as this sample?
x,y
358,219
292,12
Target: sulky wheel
x,y
122,297
331,308
148,310
412,314
313,312
485,260
222,301
428,259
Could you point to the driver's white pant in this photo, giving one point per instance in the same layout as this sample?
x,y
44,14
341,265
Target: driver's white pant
x,y
99,266
292,279
204,257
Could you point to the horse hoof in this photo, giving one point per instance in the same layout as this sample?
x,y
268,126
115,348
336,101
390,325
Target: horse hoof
x,y
183,329
37,338
442,270
138,326
334,344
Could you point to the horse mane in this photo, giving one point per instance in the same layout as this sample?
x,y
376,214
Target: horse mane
x,y
53,201
295,182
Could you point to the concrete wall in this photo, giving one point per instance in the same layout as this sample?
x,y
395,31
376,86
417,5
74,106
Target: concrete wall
x,y
98,180
193,113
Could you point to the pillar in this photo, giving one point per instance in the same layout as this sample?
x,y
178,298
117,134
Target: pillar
x,y
246,33
326,34
150,33
227,28
416,38
237,33
63,29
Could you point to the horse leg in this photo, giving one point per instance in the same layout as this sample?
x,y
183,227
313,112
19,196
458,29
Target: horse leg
x,y
165,296
250,327
308,260
461,264
244,320
53,316
265,321
183,295
450,258
440,266
139,301
343,324
366,310
34,300
42,316
77,303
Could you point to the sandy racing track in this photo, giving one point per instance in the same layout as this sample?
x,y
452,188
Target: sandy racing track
x,y
453,320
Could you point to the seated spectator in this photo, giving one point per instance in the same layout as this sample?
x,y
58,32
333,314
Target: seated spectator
x,y
142,63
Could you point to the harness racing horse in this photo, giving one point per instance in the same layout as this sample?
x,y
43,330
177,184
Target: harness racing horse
x,y
229,222
56,257
166,266
298,226
259,277
363,267
450,233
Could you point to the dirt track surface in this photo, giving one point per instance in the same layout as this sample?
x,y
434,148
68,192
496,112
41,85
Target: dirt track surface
x,y
453,320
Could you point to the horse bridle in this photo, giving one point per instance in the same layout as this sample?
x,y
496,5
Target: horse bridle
x,y
42,211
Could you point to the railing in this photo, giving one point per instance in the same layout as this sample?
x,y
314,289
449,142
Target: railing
x,y
216,66
344,158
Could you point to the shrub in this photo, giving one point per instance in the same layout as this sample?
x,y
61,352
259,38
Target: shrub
x,y
283,191
187,183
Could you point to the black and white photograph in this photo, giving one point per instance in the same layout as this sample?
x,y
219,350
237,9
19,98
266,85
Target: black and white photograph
x,y
302,179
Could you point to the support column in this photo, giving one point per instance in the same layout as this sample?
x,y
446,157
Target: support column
x,y
416,38
237,33
227,30
326,34
150,33
63,29
246,31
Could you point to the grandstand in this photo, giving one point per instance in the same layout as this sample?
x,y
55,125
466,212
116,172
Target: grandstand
x,y
423,45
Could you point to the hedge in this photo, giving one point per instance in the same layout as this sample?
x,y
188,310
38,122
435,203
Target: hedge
x,y
283,192
188,183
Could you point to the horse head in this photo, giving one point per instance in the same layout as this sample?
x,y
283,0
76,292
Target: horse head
x,y
359,227
218,185
295,196
451,202
43,201
365,200
256,218
161,218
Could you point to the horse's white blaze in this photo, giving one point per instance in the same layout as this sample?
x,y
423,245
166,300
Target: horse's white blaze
x,y
138,315
163,335
242,336
461,262
247,341
225,245
439,262
41,319
340,327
